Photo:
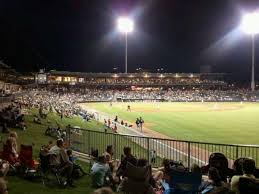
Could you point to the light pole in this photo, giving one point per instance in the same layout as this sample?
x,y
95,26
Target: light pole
x,y
250,25
125,25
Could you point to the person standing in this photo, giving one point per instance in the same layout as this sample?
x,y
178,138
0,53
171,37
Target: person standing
x,y
116,119
115,128
109,123
61,115
141,122
137,123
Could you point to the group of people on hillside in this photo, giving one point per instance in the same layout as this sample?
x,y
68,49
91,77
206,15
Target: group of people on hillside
x,y
12,116
63,160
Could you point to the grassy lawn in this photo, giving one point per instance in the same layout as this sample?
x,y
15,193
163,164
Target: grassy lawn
x,y
35,134
230,123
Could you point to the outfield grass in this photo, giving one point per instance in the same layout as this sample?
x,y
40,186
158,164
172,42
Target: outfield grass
x,y
230,123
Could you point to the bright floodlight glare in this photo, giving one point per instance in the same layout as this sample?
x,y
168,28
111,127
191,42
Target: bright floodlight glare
x,y
250,23
125,24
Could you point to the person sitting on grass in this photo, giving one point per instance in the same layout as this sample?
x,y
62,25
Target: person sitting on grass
x,y
127,158
76,167
36,119
14,135
61,161
10,152
108,154
101,173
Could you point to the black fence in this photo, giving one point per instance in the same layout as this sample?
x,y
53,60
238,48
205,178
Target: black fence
x,y
155,149
6,99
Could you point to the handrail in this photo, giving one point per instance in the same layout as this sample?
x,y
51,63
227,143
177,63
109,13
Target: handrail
x,y
177,140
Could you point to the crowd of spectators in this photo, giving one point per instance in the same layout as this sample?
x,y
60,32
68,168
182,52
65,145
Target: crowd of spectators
x,y
11,116
65,104
130,174
65,99
146,80
135,175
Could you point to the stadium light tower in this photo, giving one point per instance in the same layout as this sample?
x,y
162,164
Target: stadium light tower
x,y
250,25
125,25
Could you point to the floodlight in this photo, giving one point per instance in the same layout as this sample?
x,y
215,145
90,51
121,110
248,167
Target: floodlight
x,y
250,23
125,24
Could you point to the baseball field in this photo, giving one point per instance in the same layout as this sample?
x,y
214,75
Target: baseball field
x,y
230,123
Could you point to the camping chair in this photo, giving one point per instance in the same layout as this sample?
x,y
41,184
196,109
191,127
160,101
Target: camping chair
x,y
248,186
184,182
29,167
48,171
136,180
26,157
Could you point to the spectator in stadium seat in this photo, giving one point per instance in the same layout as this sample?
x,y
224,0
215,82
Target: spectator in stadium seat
x,y
195,168
164,172
219,161
248,168
101,173
213,182
238,166
61,160
128,158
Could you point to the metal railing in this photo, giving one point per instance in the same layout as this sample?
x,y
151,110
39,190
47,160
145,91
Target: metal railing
x,y
6,99
155,149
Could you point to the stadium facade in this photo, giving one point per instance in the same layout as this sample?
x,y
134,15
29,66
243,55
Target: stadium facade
x,y
131,79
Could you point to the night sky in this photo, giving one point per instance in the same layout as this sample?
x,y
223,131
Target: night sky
x,y
81,35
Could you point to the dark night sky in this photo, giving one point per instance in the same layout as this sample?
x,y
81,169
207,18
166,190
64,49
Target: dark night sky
x,y
80,35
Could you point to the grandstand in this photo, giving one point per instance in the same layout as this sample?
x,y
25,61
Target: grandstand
x,y
133,79
95,99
